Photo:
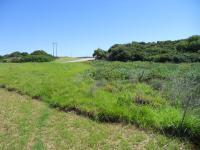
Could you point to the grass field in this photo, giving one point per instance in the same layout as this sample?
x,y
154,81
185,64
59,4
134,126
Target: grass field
x,y
139,93
31,124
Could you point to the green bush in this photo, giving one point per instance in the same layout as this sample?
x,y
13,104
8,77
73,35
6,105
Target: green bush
x,y
185,50
1,58
36,56
39,52
14,54
100,54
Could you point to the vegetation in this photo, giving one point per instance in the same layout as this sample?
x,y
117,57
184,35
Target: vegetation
x,y
18,57
142,93
1,58
185,50
99,54
30,124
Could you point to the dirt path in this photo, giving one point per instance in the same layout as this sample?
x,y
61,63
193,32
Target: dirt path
x,y
80,60
30,124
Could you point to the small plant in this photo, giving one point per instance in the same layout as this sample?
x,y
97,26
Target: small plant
x,y
190,95
141,100
124,100
2,86
109,88
156,84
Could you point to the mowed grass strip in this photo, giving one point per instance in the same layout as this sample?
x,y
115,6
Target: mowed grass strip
x,y
31,124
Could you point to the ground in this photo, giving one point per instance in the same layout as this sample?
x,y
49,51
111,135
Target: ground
x,y
30,124
65,59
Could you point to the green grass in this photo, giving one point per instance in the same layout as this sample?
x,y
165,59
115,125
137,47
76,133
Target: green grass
x,y
31,124
105,91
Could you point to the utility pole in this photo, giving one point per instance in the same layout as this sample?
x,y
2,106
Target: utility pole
x,y
55,49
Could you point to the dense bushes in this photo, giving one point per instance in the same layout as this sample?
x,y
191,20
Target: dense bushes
x,y
190,45
1,58
186,50
99,54
165,96
36,56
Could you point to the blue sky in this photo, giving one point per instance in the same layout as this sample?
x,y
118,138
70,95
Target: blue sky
x,y
80,26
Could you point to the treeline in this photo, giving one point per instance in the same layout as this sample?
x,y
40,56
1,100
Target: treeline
x,y
185,50
20,57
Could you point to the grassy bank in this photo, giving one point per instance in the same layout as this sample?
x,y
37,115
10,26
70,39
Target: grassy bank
x,y
30,124
116,92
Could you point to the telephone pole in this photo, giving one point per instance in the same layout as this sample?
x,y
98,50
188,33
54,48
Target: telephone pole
x,y
55,49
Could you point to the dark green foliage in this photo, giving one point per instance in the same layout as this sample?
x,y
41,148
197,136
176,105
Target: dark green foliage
x,y
36,56
1,58
99,54
192,44
14,54
39,52
119,54
186,50
24,54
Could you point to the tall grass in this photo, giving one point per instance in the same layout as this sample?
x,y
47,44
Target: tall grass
x,y
107,91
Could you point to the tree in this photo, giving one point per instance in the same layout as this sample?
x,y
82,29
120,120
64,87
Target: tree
x,y
194,46
99,54
1,58
185,50
39,52
182,45
24,54
14,54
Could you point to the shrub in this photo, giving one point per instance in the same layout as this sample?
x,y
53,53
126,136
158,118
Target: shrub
x,y
141,100
36,58
156,84
186,50
39,52
99,54
120,55
15,60
1,58
14,54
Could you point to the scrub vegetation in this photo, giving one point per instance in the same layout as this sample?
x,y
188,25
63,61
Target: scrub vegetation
x,y
18,57
184,50
162,97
